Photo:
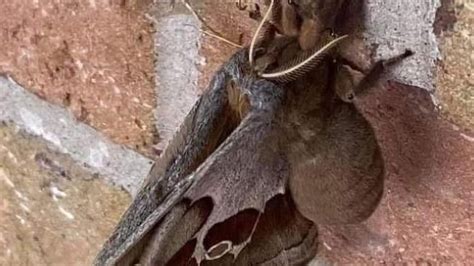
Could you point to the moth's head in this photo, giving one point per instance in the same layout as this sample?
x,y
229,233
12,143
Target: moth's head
x,y
284,61
273,54
312,45
311,9
314,17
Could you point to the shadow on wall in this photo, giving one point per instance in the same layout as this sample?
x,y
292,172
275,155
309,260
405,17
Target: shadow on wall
x,y
408,129
426,211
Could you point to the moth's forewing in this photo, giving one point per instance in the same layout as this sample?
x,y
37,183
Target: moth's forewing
x,y
205,204
204,128
237,211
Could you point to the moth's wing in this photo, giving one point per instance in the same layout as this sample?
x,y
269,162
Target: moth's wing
x,y
237,210
209,122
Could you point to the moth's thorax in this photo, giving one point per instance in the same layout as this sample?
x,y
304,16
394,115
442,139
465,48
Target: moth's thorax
x,y
323,10
315,17
310,92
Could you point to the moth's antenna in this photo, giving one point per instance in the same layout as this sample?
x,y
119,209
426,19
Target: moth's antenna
x,y
257,33
211,32
308,61
220,38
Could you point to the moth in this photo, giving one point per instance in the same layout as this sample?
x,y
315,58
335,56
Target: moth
x,y
264,156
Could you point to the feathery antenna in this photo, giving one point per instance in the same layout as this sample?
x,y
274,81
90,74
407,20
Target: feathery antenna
x,y
301,68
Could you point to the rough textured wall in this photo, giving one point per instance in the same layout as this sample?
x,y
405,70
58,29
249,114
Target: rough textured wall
x,y
393,26
55,187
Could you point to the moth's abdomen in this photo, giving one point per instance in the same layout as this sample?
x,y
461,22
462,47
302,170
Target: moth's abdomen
x,y
337,174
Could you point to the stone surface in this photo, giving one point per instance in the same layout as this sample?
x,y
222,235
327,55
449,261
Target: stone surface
x,y
393,26
52,210
177,61
93,57
56,125
426,213
455,91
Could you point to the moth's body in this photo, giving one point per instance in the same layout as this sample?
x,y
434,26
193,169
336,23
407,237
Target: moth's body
x,y
331,148
336,165
335,161
255,166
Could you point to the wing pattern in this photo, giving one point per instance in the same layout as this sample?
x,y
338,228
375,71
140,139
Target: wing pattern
x,y
218,196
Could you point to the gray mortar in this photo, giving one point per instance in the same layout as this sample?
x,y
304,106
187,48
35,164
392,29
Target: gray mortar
x,y
177,56
396,25
120,166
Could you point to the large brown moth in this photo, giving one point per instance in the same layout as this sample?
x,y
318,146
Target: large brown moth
x,y
257,164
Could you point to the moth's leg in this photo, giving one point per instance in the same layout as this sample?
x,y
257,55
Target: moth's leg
x,y
289,19
253,8
347,88
261,26
378,70
283,16
210,31
269,52
344,61
240,5
344,83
